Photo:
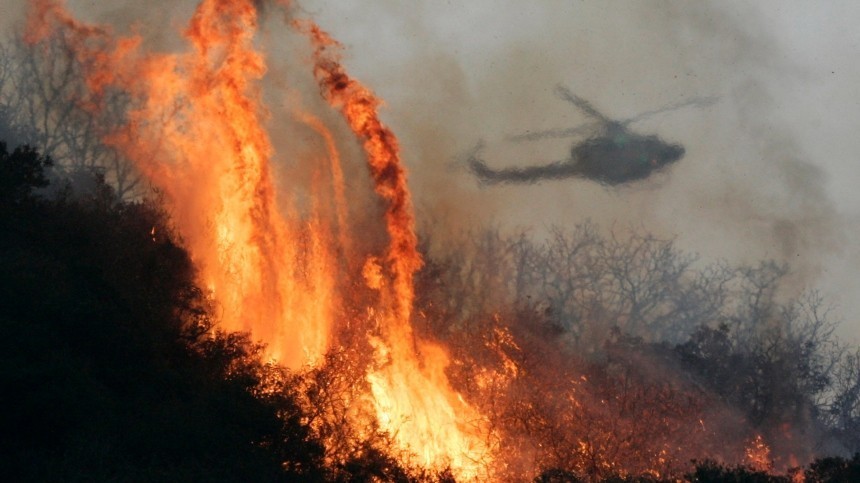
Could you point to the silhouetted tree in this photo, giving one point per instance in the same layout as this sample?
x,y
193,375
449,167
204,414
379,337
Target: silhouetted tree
x,y
842,409
109,362
834,470
712,472
45,102
21,171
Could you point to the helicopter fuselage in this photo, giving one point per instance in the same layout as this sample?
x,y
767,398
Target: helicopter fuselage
x,y
622,156
613,155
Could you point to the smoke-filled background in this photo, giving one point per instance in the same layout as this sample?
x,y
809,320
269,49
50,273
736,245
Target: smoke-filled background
x,y
769,170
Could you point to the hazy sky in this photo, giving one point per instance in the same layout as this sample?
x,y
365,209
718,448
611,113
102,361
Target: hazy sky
x,y
808,49
770,170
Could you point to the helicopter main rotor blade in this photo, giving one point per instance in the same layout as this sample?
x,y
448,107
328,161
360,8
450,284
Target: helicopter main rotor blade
x,y
696,101
552,133
581,103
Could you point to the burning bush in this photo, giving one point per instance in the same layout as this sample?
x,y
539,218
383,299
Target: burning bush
x,y
605,355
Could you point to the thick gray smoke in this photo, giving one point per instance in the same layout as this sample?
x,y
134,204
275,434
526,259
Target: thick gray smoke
x,y
767,170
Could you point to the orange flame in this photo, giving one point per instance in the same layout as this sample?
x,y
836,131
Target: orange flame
x,y
197,135
196,132
358,106
758,455
412,395
337,180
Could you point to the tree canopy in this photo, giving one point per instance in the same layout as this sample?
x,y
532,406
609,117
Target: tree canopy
x,y
110,366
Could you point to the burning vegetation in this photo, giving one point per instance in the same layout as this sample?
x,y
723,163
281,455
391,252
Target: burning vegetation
x,y
203,306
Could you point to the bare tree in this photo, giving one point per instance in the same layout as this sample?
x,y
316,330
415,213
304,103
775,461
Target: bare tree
x,y
44,101
598,354
842,409
586,283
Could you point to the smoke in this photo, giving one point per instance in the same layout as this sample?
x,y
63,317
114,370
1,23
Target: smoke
x,y
749,187
454,74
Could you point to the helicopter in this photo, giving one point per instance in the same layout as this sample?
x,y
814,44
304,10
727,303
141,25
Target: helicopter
x,y
612,155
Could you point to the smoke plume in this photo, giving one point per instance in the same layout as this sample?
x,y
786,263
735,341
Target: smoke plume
x,y
452,75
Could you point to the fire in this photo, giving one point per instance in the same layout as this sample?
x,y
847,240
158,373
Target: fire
x,y
197,133
195,129
287,263
358,106
337,180
758,455
413,398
